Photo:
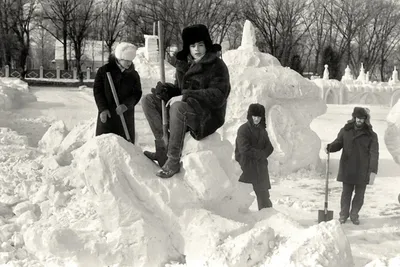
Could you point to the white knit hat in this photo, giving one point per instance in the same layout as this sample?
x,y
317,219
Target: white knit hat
x,y
125,51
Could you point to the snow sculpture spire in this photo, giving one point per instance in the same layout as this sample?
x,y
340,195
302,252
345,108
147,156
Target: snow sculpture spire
x,y
326,73
248,37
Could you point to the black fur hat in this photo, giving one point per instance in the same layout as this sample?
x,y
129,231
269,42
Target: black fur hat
x,y
256,110
359,112
193,34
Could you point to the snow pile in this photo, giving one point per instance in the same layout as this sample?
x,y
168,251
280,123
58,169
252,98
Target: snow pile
x,y
107,208
291,102
392,133
14,93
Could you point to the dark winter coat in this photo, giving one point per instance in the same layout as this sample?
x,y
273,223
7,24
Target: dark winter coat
x,y
253,147
360,153
129,91
205,86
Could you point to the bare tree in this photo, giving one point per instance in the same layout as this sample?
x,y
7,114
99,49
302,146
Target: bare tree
x,y
281,24
82,17
22,15
112,22
217,15
59,12
348,17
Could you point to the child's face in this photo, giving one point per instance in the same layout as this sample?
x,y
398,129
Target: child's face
x,y
256,120
197,50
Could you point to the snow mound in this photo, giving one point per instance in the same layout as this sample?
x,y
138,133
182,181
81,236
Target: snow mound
x,y
14,93
291,103
392,133
324,244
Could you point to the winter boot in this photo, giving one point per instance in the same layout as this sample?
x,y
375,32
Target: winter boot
x,y
355,221
342,220
170,168
160,155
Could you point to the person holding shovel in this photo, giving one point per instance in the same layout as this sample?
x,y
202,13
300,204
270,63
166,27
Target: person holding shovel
x,y
128,89
358,163
253,147
196,102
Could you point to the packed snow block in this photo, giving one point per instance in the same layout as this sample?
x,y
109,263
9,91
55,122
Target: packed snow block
x,y
53,138
384,262
78,136
324,244
246,249
139,244
332,91
60,242
203,232
392,132
10,137
291,103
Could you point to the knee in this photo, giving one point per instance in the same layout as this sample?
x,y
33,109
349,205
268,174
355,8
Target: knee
x,y
178,107
147,102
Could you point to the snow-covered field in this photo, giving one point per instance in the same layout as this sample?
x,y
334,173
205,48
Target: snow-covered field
x,y
298,196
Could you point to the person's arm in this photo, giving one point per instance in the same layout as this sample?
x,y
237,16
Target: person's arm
x,y
98,91
216,93
131,101
374,154
337,144
268,148
244,145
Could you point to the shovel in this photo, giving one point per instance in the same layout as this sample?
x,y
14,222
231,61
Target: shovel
x,y
326,215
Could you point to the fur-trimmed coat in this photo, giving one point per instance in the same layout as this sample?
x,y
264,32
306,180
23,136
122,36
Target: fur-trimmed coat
x,y
360,153
253,147
205,86
129,91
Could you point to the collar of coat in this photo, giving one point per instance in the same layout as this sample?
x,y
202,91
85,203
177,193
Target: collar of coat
x,y
186,67
367,129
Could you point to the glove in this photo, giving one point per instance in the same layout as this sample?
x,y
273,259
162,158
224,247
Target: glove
x,y
372,178
327,149
161,91
104,114
121,109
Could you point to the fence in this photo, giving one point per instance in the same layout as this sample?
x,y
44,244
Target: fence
x,y
40,73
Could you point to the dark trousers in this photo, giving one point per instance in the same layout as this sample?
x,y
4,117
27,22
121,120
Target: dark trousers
x,y
356,204
182,117
263,197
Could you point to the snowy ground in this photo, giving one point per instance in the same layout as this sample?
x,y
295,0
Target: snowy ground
x,y
299,195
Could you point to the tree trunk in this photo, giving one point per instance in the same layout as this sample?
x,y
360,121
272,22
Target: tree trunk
x,y
65,45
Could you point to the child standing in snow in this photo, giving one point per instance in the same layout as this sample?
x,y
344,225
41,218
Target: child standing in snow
x,y
253,147
196,102
358,163
128,88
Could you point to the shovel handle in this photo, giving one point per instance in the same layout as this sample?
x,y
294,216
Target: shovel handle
x,y
327,183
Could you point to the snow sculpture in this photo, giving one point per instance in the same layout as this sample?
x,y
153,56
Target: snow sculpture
x,y
392,133
291,102
248,37
395,77
326,73
361,76
151,47
347,74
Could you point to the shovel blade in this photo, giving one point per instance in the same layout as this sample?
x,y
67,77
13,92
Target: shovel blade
x,y
325,216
